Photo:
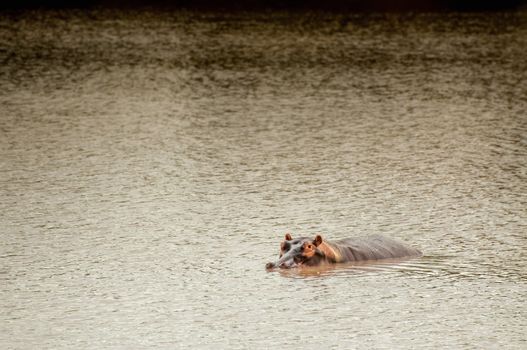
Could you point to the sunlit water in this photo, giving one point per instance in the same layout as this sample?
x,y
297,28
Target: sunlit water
x,y
150,164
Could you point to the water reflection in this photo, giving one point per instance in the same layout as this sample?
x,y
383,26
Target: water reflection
x,y
350,268
424,268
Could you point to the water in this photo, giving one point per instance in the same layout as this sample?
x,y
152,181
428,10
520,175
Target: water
x,y
152,162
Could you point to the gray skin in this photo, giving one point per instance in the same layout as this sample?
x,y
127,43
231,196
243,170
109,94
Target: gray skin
x,y
292,256
374,247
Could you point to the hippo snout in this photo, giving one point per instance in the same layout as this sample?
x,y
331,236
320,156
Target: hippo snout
x,y
281,264
287,260
269,266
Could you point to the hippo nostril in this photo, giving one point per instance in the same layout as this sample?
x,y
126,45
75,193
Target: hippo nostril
x,y
269,265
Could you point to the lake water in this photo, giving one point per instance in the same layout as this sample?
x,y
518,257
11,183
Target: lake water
x,y
151,162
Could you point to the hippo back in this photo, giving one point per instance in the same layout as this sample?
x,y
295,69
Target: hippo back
x,y
373,247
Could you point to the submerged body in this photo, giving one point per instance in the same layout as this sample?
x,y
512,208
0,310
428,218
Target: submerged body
x,y
305,251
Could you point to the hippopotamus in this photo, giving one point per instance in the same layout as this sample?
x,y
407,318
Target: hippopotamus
x,y
306,251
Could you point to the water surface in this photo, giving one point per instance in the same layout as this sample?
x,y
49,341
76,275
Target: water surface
x,y
150,164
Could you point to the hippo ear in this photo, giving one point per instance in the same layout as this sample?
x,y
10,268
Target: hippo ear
x,y
318,240
288,237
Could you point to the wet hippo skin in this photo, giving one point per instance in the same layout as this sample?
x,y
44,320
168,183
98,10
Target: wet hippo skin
x,y
306,251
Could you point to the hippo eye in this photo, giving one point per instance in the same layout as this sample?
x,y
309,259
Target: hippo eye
x,y
309,246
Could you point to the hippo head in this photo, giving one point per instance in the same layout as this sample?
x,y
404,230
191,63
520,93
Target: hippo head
x,y
297,252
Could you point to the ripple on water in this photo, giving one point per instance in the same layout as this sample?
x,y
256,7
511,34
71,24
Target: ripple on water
x,y
151,163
